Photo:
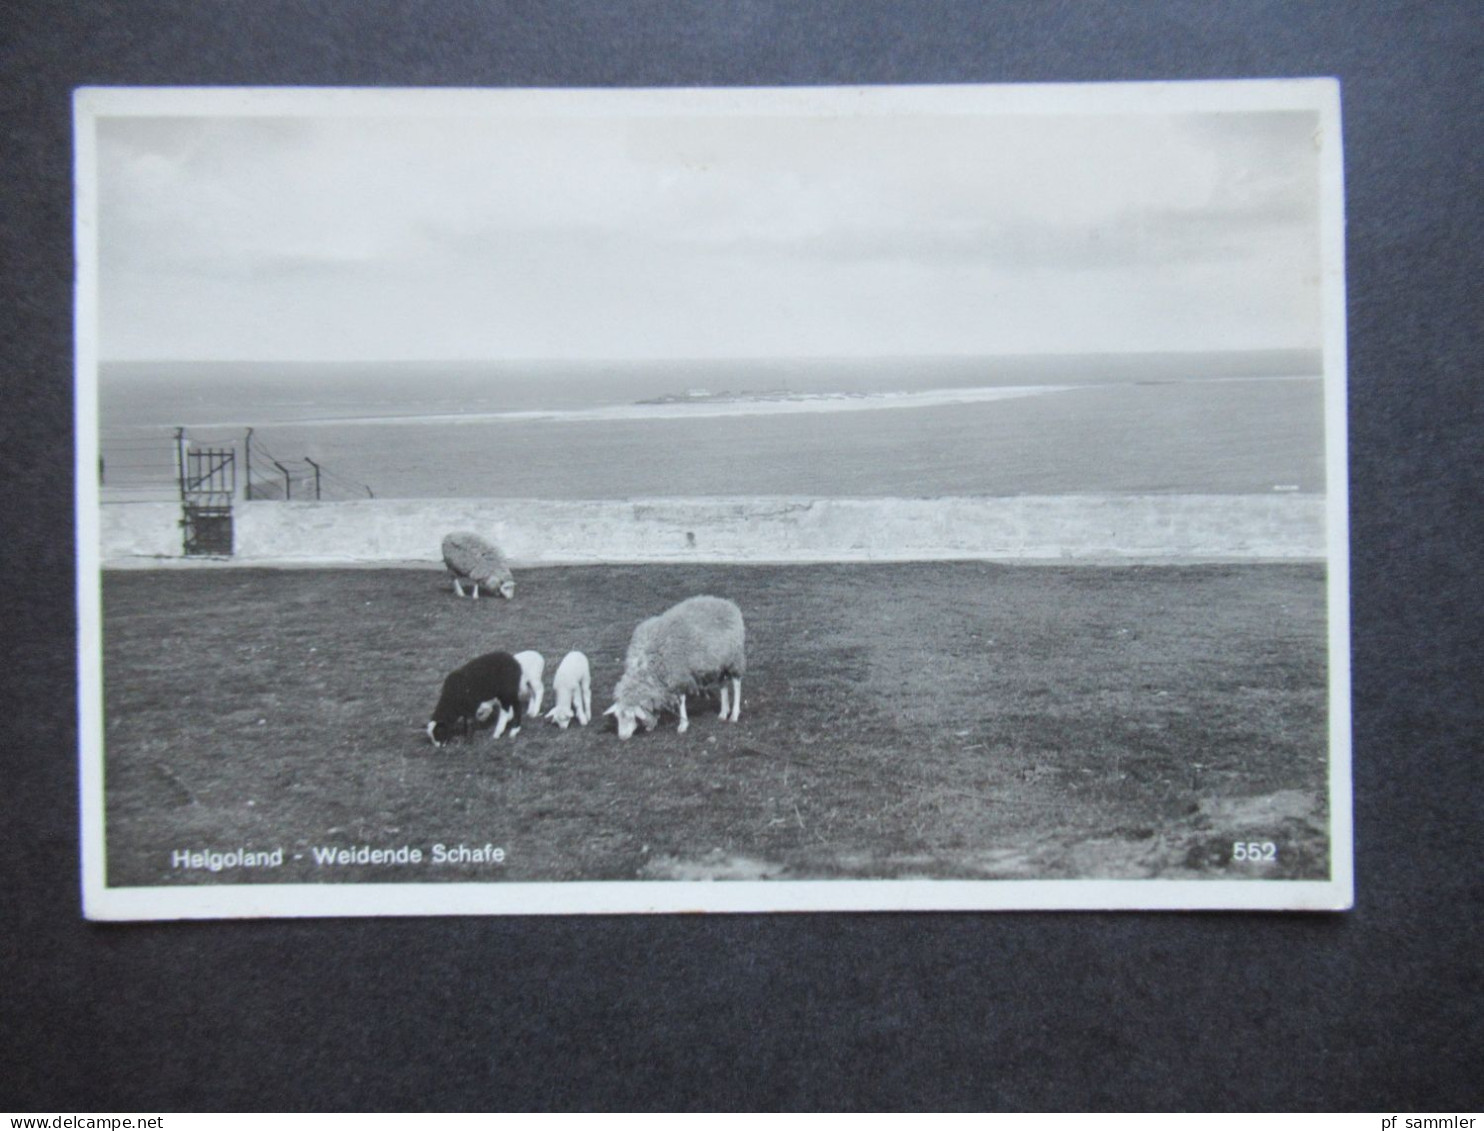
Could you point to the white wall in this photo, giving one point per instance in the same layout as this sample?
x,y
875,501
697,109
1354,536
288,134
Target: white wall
x,y
140,530
1138,527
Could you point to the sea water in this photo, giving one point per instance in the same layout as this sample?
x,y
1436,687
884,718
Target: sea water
x,y
821,428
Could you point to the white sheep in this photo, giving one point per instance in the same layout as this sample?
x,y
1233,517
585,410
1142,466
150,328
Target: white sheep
x,y
532,669
473,559
695,644
573,688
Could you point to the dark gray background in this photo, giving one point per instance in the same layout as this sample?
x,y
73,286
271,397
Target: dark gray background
x,y
1379,1009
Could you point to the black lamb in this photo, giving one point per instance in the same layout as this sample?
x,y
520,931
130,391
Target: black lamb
x,y
472,693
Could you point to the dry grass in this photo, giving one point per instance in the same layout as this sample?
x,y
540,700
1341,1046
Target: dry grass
x,y
943,720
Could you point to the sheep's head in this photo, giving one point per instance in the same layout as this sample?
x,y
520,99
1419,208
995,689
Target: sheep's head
x,y
630,717
560,717
507,589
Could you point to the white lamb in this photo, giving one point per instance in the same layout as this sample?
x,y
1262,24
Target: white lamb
x,y
696,644
573,687
532,669
473,559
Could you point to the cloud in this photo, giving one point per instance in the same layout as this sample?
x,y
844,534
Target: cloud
x,y
503,236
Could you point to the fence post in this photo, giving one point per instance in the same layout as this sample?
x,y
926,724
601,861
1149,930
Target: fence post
x,y
288,483
247,466
314,465
180,461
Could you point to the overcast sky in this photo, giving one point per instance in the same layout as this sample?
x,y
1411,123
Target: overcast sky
x,y
733,235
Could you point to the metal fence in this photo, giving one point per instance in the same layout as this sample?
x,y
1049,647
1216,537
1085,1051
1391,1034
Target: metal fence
x,y
273,476
200,471
147,466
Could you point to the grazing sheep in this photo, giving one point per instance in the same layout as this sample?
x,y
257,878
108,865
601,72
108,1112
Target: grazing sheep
x,y
472,693
532,669
695,644
573,687
471,558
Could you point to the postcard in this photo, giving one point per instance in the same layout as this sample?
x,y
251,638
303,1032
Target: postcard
x,y
724,500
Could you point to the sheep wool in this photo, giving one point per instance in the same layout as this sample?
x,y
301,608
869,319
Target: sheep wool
x,y
573,687
475,560
532,672
697,644
487,686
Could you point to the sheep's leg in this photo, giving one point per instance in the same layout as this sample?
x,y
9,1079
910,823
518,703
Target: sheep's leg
x,y
684,722
476,590
536,697
503,721
736,699
584,703
457,588
723,701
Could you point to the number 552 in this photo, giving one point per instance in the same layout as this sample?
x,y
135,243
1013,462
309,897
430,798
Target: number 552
x,y
1259,852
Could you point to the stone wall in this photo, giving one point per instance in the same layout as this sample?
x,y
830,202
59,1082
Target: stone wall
x,y
533,532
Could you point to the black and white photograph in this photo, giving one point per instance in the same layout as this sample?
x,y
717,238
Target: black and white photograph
x,y
754,499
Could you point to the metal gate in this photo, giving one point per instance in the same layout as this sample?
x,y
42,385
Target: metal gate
x,y
208,484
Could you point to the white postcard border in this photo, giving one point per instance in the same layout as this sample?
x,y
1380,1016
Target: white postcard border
x,y
251,900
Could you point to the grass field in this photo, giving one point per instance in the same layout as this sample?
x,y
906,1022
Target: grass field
x,y
947,720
